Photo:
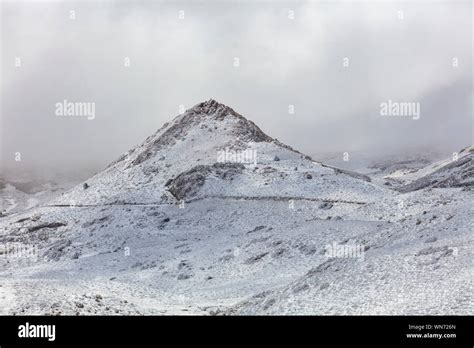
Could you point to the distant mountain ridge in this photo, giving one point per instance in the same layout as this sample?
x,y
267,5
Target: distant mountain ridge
x,y
453,172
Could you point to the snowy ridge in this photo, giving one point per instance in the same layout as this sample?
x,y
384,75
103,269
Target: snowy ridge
x,y
458,172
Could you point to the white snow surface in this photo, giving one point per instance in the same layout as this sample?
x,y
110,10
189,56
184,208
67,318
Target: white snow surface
x,y
166,229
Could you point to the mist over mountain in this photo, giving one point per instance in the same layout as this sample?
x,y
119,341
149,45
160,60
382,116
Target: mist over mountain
x,y
313,77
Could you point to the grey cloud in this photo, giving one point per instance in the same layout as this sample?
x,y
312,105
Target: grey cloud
x,y
282,62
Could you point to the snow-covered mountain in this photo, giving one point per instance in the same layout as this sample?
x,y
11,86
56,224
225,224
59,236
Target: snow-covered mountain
x,y
212,216
192,157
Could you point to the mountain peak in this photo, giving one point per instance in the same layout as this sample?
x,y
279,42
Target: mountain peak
x,y
210,103
212,111
206,120
213,108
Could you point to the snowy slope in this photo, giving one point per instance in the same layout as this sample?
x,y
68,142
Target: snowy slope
x,y
418,262
454,172
168,228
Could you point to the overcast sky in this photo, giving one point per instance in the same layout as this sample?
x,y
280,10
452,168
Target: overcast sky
x,y
403,56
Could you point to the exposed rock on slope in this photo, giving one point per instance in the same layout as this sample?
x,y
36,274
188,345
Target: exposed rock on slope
x,y
186,184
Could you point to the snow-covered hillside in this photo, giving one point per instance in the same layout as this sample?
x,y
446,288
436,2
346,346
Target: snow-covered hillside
x,y
454,172
212,216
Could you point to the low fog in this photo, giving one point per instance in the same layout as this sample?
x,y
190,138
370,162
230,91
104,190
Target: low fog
x,y
182,53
